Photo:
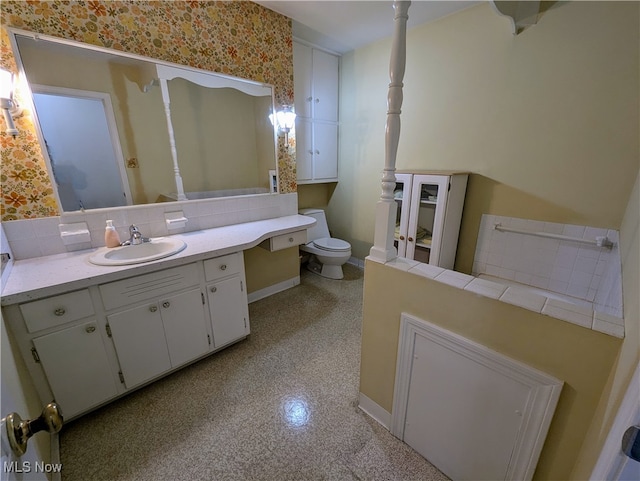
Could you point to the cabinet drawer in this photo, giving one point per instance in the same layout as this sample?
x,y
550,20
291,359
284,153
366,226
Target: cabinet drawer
x,y
148,286
284,241
57,310
222,266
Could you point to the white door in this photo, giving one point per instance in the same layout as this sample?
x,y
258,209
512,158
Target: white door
x,y
426,221
402,196
83,148
140,343
325,151
304,149
184,326
613,464
77,368
227,303
325,86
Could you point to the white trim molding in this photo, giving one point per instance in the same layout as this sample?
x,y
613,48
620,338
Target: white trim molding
x,y
543,389
273,289
373,409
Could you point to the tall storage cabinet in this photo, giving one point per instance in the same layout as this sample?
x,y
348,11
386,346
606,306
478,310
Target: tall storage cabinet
x,y
429,214
315,78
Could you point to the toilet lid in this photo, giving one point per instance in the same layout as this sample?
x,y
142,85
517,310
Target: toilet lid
x,y
331,244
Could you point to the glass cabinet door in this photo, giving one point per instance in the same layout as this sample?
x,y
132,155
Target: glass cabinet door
x,y
402,196
426,219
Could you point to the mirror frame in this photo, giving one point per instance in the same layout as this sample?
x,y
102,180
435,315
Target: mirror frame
x,y
27,96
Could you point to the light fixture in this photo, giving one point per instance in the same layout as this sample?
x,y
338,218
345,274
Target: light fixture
x,y
9,106
284,119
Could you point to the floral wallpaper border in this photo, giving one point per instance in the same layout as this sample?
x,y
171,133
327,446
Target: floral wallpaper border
x,y
239,38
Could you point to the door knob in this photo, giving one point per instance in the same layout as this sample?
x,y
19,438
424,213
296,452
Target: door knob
x,y
20,430
631,442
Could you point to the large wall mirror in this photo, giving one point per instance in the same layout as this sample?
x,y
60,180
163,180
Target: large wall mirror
x,y
120,129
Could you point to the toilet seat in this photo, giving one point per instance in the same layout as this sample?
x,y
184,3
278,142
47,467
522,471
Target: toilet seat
x,y
330,244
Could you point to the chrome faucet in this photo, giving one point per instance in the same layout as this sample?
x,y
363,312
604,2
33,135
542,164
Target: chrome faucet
x,y
135,236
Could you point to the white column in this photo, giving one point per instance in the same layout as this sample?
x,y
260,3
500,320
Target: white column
x,y
172,141
383,249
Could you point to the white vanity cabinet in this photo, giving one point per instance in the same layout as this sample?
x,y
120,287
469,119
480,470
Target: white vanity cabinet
x,y
428,216
316,79
87,347
227,298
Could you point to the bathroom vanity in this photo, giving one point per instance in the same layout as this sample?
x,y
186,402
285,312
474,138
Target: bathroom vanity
x,y
89,334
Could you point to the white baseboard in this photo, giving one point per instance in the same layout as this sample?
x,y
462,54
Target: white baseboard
x,y
374,410
354,261
274,289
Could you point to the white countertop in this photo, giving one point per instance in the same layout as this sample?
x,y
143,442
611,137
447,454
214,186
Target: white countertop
x,y
50,275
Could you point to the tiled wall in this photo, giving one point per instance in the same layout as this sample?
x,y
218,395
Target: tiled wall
x,y
586,272
41,237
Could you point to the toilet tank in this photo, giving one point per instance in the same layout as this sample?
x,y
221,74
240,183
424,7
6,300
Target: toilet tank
x,y
319,230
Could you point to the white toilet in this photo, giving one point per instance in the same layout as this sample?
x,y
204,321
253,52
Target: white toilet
x,y
328,254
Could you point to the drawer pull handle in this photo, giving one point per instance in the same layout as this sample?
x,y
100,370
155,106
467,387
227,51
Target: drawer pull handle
x,y
153,308
213,289
223,267
60,311
166,304
90,329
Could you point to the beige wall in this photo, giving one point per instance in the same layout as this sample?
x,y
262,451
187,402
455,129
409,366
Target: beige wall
x,y
580,357
547,121
630,352
264,269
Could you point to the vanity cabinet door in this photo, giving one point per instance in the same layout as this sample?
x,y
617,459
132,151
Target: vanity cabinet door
x,y
77,368
228,308
185,326
140,343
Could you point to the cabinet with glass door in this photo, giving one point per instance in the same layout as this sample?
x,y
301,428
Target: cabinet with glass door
x,y
428,216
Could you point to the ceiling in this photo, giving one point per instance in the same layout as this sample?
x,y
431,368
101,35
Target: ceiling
x,y
342,26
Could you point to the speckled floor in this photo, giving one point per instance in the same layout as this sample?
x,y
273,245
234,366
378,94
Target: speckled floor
x,y
278,406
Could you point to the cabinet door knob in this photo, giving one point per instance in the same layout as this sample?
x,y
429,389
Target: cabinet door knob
x,y
90,329
311,152
166,304
213,289
410,239
317,101
290,239
60,311
309,99
223,267
317,152
401,237
153,308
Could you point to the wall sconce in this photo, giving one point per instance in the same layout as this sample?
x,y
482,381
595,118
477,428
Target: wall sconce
x,y
284,119
9,106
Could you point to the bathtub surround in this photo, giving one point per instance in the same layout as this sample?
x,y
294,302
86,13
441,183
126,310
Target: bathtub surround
x,y
582,271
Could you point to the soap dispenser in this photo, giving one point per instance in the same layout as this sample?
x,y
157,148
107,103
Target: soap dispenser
x,y
111,237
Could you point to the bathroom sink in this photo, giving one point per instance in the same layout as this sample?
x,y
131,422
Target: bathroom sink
x,y
157,248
